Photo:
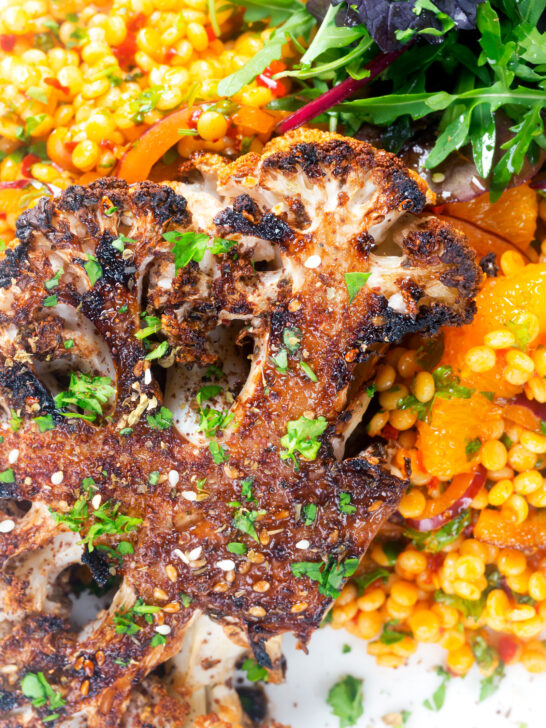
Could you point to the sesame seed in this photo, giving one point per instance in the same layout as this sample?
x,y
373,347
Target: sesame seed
x,y
195,553
189,495
174,477
163,629
7,525
95,501
12,457
313,261
57,478
226,564
303,544
147,376
181,555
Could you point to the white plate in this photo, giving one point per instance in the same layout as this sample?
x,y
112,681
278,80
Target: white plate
x,y
301,701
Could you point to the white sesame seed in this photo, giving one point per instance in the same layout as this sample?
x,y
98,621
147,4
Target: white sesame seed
x,y
95,501
7,525
313,261
147,376
303,544
12,457
163,629
195,553
174,477
181,555
57,478
226,564
189,495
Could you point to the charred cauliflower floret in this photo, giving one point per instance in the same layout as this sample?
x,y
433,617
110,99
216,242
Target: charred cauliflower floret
x,y
179,369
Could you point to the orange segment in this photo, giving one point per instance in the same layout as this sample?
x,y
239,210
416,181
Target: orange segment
x,y
513,216
499,301
453,423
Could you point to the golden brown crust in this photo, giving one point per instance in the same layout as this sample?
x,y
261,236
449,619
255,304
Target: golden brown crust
x,y
363,199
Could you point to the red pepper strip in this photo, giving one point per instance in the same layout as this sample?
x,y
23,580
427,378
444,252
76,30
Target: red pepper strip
x,y
7,42
338,94
26,164
457,497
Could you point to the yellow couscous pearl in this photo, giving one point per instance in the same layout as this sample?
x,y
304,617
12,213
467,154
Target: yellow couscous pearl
x,y
15,20
395,610
480,359
539,359
537,499
448,615
519,583
256,97
342,613
535,388
402,419
412,504
369,624
534,442
493,455
384,379
528,628
500,339
460,660
85,155
500,492
511,262
424,386
519,360
412,561
520,458
372,599
197,36
466,589
515,508
407,364
470,567
405,593
99,126
389,399
377,423
528,481
511,562
497,603
211,125
348,593
425,625
533,657
537,586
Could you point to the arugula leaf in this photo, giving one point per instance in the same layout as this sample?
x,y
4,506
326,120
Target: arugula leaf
x,y
434,541
354,282
346,700
439,695
277,11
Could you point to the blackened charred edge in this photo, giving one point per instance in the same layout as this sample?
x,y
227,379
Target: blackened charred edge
x,y
489,265
163,202
13,264
21,385
394,326
114,268
98,565
341,158
37,219
258,645
245,217
377,483
8,490
8,701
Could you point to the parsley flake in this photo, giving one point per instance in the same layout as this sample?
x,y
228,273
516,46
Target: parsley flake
x,y
354,282
346,700
301,437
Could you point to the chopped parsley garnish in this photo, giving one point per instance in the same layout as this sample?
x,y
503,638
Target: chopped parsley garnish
x,y
126,431
237,548
521,331
469,607
244,521
329,575
280,360
15,421
434,541
7,476
44,422
308,371
125,621
208,391
309,513
246,490
158,352
346,699
212,420
23,133
354,282
158,639
486,656
69,343
123,309
489,685
153,478
93,269
392,549
439,695
254,672
364,581
291,338
35,686
162,419
54,282
301,437
190,246
371,390
345,505
472,447
111,210
50,301
448,386
121,241
389,635
219,453
346,649
86,392
153,325
185,599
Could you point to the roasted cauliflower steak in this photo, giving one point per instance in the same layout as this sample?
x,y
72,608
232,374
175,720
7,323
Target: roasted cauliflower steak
x,y
180,367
